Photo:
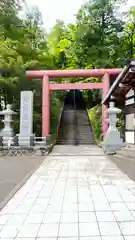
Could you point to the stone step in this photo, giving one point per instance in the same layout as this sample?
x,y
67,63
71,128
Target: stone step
x,y
75,143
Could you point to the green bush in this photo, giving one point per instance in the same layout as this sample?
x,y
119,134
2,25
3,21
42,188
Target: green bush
x,y
95,114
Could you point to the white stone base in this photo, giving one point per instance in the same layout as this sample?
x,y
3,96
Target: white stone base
x,y
7,141
25,141
112,141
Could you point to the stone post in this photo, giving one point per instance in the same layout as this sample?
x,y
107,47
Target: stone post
x,y
112,141
26,119
7,132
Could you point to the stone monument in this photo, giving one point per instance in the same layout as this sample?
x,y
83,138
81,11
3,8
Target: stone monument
x,y
26,119
112,141
7,132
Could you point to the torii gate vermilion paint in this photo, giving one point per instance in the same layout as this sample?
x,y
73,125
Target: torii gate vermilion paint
x,y
105,74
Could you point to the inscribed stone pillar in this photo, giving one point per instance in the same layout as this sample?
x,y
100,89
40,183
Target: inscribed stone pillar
x,y
26,118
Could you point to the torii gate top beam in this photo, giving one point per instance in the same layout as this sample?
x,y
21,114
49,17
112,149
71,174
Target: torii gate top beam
x,y
72,73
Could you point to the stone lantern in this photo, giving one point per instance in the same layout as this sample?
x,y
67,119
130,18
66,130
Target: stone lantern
x,y
7,132
112,141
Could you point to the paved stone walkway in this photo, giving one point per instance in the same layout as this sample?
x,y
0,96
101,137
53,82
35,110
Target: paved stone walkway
x,y
72,197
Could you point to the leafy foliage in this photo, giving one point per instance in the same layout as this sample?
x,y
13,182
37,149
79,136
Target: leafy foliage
x,y
95,117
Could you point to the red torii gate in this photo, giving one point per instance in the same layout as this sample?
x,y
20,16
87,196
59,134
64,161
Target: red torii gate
x,y
47,87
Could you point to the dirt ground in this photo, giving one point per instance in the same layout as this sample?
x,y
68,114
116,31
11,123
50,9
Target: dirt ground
x,y
127,165
14,172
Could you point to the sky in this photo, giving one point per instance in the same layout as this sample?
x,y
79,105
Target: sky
x,y
60,9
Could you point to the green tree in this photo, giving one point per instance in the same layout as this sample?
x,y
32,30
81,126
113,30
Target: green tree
x,y
129,35
97,34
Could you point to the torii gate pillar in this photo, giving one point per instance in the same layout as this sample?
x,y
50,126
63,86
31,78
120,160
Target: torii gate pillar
x,y
106,86
45,106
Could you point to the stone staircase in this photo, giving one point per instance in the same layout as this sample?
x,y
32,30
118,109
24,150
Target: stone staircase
x,y
84,129
66,134
75,127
